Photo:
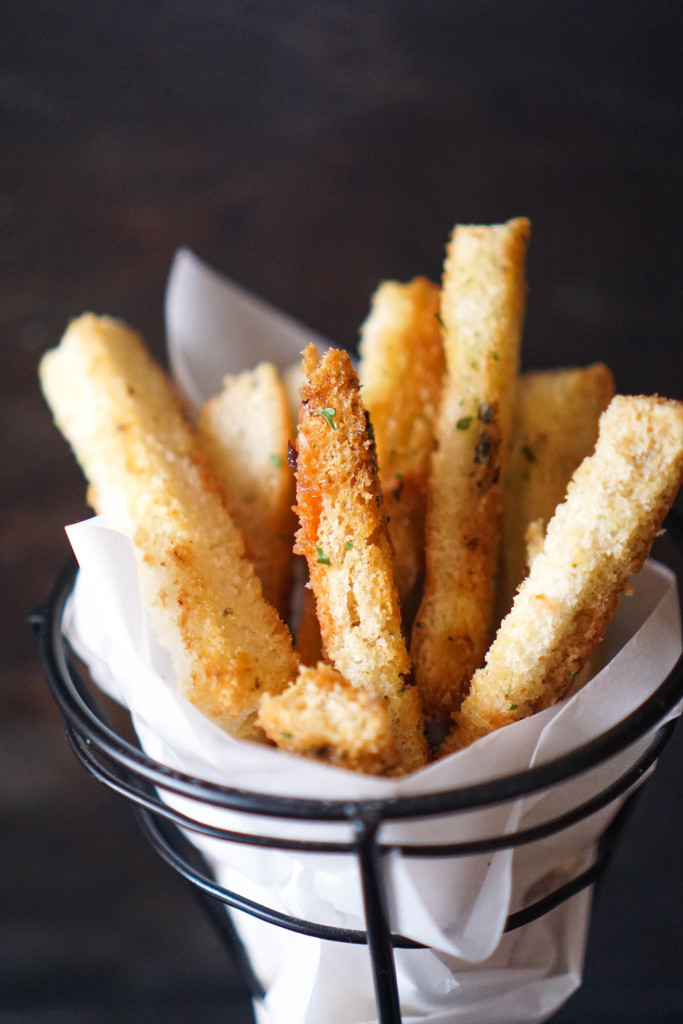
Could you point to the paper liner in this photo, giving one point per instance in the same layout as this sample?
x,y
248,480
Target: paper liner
x,y
472,972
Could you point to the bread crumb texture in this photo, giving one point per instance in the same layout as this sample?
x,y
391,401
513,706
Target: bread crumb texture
x,y
597,540
343,536
147,473
322,716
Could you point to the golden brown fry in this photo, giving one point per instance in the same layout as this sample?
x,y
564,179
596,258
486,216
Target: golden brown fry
x,y
482,309
401,372
556,427
343,536
596,541
245,431
321,715
147,475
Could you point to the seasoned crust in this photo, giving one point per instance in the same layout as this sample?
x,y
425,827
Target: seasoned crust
x,y
482,307
596,541
322,716
401,371
148,475
245,431
343,536
555,428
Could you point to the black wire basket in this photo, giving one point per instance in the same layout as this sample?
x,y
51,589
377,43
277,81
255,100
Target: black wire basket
x,y
126,769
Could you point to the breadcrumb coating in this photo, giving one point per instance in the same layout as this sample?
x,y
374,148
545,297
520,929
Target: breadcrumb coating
x,y
245,431
597,540
343,536
401,373
482,308
322,716
148,475
555,428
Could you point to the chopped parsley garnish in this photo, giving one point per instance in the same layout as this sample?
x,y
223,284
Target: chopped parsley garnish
x,y
328,416
464,422
348,544
440,319
528,453
275,459
575,676
513,707
322,557
286,735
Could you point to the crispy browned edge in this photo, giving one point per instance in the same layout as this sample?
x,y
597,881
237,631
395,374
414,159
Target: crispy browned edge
x,y
245,431
322,716
118,411
555,428
595,543
482,309
343,536
401,372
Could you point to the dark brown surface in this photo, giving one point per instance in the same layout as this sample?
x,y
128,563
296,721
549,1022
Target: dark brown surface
x,y
308,150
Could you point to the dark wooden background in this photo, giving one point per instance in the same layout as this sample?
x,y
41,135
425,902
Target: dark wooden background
x,y
307,149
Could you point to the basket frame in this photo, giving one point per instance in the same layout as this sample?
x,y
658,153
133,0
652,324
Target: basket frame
x,y
126,769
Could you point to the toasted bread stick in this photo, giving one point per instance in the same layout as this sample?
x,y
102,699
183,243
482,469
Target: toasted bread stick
x,y
596,541
343,536
147,475
555,428
245,431
482,306
401,372
322,716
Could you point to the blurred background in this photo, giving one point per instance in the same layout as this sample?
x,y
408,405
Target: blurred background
x,y
307,149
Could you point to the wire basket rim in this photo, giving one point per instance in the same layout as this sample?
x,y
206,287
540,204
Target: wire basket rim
x,y
86,719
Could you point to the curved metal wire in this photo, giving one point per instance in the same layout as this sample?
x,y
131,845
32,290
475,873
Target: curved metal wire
x,y
127,770
68,689
167,848
149,801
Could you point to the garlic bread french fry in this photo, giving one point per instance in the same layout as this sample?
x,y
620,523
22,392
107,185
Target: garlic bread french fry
x,y
245,431
597,540
343,536
322,716
147,474
555,428
482,308
401,371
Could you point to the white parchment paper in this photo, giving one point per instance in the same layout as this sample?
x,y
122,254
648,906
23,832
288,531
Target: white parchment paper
x,y
471,972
